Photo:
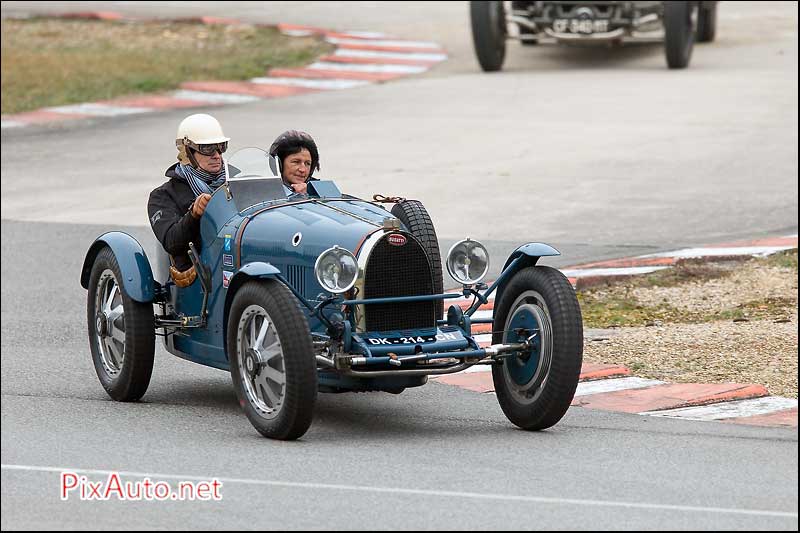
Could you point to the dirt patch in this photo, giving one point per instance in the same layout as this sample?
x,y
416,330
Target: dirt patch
x,y
735,323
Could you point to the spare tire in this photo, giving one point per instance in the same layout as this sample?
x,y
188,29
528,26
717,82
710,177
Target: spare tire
x,y
414,216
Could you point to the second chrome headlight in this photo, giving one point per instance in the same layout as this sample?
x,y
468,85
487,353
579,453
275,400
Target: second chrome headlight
x,y
468,262
336,270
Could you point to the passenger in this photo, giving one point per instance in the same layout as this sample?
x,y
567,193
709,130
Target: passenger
x,y
298,158
176,206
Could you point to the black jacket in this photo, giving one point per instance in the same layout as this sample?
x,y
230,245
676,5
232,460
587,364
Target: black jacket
x,y
170,213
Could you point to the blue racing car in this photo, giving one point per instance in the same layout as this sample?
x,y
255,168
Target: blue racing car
x,y
326,292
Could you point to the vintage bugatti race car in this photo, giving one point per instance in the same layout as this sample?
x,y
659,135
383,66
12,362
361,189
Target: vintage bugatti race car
x,y
677,24
327,292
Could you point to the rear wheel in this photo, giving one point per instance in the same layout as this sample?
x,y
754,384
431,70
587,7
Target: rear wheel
x,y
489,33
707,23
271,360
121,332
678,33
416,218
535,388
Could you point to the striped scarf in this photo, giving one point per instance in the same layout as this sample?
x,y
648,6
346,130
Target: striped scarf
x,y
200,180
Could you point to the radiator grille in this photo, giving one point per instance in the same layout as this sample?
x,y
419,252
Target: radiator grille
x,y
398,271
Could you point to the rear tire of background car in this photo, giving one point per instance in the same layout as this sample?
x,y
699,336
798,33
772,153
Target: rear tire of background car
x,y
416,218
121,332
707,23
489,33
272,362
678,33
535,389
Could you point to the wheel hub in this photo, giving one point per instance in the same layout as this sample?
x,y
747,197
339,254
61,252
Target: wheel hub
x,y
251,363
101,324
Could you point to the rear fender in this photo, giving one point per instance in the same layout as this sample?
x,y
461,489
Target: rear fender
x,y
137,276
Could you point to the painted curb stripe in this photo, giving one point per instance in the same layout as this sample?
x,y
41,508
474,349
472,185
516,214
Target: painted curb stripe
x,y
671,396
610,385
368,45
259,90
153,102
335,39
605,272
214,98
376,61
595,371
786,418
95,109
11,124
372,54
325,74
321,84
739,408
371,69
690,253
40,116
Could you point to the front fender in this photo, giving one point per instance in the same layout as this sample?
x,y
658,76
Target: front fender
x,y
528,255
137,276
254,270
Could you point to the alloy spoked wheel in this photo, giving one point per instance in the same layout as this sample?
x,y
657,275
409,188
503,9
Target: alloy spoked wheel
x,y
121,332
272,362
110,324
261,368
535,387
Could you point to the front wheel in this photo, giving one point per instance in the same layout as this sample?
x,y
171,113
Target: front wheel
x,y
535,388
488,33
121,332
272,360
678,33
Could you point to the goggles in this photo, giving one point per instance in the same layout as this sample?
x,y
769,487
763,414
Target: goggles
x,y
210,149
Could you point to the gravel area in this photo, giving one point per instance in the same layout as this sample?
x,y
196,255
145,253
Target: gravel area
x,y
760,349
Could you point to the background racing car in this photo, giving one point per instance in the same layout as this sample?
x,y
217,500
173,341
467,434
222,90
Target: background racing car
x,y
328,292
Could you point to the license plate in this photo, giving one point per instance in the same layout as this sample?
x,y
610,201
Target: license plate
x,y
581,26
413,339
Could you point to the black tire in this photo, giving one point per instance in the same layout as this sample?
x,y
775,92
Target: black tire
x,y
541,400
416,218
488,33
277,410
121,332
678,33
707,23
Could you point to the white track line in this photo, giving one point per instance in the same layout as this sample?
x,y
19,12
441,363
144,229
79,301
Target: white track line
x,y
384,42
398,491
622,271
689,253
734,409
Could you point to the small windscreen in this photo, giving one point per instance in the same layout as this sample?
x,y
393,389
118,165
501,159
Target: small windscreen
x,y
252,178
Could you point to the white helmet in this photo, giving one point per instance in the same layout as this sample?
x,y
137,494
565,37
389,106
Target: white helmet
x,y
195,131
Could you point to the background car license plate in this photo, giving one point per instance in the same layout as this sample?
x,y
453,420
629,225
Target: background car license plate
x,y
584,26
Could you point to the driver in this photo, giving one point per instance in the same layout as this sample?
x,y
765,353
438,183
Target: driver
x,y
176,206
298,158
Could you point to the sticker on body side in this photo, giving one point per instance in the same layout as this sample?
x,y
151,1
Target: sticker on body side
x,y
226,278
227,245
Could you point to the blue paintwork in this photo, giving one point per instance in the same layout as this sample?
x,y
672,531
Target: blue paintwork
x,y
281,239
137,276
525,256
522,370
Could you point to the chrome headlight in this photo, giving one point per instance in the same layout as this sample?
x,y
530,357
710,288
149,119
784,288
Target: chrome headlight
x,y
467,262
336,270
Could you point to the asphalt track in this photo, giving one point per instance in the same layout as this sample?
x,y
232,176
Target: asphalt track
x,y
602,153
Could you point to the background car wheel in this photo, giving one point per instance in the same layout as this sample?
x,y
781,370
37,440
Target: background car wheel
x,y
536,388
678,33
416,218
121,332
489,33
707,23
271,360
